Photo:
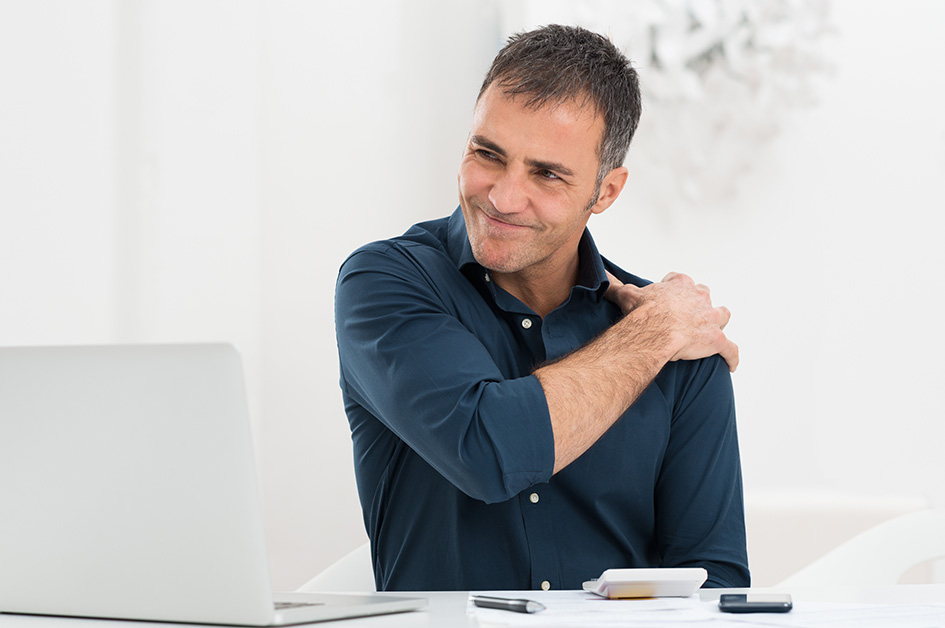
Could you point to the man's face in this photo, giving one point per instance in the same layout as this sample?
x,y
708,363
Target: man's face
x,y
527,183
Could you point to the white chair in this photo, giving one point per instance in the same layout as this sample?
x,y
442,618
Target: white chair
x,y
880,555
350,573
790,528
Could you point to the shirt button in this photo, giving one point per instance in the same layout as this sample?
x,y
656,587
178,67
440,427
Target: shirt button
x,y
527,323
533,498
545,585
487,278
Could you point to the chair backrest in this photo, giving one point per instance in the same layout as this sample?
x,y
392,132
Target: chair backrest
x,y
352,573
880,555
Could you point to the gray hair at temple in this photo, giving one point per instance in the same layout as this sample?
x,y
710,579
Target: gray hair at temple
x,y
556,64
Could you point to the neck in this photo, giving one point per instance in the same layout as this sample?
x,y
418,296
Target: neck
x,y
541,290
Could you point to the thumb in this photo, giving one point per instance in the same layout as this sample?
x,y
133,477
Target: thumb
x,y
627,296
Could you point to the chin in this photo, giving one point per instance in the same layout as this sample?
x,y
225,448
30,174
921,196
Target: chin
x,y
498,263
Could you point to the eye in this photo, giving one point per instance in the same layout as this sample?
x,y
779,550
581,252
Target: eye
x,y
488,155
548,174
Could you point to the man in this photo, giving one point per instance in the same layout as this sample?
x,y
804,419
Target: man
x,y
524,413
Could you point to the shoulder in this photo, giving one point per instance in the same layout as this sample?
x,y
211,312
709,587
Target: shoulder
x,y
423,246
699,388
415,270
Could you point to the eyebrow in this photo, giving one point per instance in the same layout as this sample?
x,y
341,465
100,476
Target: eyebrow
x,y
534,163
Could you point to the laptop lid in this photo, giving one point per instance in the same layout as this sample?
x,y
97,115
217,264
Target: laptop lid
x,y
128,487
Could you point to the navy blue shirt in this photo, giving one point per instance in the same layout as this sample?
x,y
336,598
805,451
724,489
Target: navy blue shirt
x,y
453,446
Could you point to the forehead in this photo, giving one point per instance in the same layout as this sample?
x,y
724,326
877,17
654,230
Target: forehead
x,y
571,127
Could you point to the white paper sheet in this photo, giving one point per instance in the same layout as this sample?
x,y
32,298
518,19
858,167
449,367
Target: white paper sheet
x,y
577,608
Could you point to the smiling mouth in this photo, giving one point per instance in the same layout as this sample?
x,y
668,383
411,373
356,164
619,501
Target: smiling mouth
x,y
501,224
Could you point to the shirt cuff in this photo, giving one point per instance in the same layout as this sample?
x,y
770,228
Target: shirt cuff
x,y
523,437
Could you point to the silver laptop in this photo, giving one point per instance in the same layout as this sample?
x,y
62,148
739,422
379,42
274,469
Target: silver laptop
x,y
128,491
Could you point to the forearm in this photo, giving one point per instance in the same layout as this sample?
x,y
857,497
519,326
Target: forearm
x,y
589,389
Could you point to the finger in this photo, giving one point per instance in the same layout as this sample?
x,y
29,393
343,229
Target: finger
x,y
730,354
701,287
678,277
725,315
614,282
612,290
626,296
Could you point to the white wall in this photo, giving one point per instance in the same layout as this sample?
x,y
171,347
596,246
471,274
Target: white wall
x,y
56,172
831,259
199,170
364,120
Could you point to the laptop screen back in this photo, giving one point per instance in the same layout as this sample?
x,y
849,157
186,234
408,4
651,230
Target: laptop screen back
x,y
127,485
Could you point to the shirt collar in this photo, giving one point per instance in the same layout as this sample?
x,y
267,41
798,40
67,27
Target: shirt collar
x,y
591,274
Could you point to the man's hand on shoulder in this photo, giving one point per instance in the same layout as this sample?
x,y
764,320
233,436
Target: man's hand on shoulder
x,y
589,389
684,310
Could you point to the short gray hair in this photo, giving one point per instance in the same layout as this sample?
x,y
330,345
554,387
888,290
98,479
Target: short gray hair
x,y
554,64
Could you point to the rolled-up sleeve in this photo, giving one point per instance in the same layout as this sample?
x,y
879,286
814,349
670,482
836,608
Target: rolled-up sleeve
x,y
409,360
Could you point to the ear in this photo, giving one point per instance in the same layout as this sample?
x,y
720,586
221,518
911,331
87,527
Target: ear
x,y
610,188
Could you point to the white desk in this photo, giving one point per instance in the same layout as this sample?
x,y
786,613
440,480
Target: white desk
x,y
447,609
900,594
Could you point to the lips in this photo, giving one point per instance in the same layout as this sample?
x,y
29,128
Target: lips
x,y
500,224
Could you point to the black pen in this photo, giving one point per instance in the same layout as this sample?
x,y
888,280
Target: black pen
x,y
505,604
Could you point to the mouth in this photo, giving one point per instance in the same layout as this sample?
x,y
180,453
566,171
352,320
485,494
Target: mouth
x,y
500,224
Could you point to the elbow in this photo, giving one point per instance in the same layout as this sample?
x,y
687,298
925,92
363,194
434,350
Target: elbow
x,y
486,495
493,488
508,446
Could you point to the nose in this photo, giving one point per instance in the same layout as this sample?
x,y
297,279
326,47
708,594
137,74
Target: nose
x,y
508,194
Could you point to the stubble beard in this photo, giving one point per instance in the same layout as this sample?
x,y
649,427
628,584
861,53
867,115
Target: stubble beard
x,y
518,258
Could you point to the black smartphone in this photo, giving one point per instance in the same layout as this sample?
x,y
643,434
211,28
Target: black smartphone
x,y
755,603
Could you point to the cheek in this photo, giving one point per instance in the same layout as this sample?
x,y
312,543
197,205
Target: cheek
x,y
473,180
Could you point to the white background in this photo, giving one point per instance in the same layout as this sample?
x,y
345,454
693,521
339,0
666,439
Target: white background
x,y
197,171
